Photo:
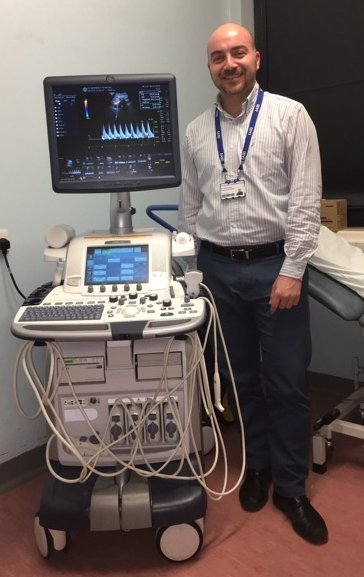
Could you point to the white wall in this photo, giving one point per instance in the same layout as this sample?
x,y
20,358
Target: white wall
x,y
61,37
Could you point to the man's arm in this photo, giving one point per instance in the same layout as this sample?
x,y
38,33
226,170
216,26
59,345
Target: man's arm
x,y
303,217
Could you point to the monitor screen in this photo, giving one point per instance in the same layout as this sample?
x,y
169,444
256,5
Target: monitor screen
x,y
117,265
112,133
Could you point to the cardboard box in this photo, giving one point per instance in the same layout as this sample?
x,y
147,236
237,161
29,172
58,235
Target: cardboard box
x,y
334,213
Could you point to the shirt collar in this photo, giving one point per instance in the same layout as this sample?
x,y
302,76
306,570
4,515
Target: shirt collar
x,y
246,106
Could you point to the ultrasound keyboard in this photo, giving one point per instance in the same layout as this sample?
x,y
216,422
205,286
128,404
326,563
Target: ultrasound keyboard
x,y
74,312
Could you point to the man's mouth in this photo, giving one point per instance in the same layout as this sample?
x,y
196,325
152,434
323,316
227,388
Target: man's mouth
x,y
232,77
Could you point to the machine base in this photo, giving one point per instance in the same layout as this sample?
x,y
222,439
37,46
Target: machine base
x,y
170,506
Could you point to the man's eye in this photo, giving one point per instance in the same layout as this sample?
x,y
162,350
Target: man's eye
x,y
239,54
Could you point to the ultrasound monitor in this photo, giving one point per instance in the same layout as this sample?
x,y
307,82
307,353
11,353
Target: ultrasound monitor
x,y
113,134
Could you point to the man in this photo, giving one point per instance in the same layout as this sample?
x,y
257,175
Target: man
x,y
251,198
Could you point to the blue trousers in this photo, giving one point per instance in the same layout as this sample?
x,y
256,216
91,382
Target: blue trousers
x,y
269,354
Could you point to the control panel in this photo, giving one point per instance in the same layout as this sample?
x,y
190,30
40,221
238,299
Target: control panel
x,y
113,288
131,313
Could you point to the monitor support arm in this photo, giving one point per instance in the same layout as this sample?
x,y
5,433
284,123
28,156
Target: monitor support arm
x,y
121,213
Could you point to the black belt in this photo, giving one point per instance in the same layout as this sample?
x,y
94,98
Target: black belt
x,y
246,252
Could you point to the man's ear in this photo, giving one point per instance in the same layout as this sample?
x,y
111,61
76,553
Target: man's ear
x,y
258,59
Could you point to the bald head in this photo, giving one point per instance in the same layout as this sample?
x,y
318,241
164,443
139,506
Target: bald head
x,y
229,31
233,62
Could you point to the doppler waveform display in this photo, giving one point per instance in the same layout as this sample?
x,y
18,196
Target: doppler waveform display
x,y
128,132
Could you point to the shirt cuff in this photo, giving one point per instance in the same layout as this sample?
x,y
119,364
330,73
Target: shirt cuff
x,y
293,268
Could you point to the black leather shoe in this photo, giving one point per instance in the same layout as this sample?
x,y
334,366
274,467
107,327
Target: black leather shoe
x,y
306,521
253,493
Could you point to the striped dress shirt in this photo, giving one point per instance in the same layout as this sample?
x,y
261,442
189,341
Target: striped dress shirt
x,y
282,174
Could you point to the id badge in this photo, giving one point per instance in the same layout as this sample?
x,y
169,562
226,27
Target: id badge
x,y
230,190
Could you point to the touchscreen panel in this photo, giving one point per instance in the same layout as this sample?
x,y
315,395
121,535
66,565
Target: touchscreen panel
x,y
117,264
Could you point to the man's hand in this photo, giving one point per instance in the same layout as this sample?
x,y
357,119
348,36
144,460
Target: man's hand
x,y
286,292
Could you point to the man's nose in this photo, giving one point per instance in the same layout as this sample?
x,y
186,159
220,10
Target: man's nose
x,y
230,62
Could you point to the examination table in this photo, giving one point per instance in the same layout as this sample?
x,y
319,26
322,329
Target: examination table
x,y
349,306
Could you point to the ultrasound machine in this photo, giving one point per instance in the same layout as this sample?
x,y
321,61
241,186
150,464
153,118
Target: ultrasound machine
x,y
125,384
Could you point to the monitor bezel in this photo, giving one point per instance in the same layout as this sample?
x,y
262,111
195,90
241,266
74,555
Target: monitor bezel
x,y
51,83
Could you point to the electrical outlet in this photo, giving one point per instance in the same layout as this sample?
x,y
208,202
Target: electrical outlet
x,y
4,233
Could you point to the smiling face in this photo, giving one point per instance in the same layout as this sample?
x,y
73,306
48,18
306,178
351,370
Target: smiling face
x,y
233,62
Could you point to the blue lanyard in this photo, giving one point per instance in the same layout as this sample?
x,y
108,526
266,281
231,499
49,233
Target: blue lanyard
x,y
219,142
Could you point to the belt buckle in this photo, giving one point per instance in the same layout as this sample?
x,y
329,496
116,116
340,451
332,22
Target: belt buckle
x,y
240,251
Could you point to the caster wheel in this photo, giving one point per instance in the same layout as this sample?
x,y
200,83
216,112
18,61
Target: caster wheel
x,y
179,542
43,539
61,540
48,540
